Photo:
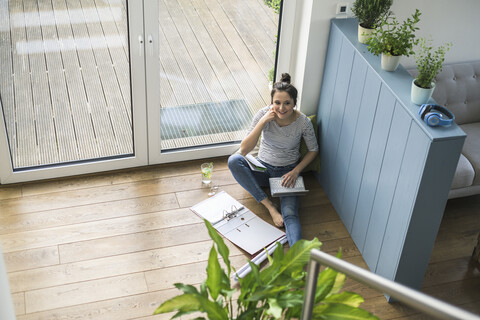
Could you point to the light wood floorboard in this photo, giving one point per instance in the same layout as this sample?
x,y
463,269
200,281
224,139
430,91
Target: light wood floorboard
x,y
111,245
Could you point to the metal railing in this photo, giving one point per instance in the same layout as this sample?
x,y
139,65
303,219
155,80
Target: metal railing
x,y
410,297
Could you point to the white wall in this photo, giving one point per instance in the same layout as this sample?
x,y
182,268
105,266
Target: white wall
x,y
7,311
304,41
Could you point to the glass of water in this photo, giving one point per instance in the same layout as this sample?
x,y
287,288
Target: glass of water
x,y
207,172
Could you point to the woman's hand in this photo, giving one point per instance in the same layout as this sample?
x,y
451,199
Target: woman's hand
x,y
290,178
268,116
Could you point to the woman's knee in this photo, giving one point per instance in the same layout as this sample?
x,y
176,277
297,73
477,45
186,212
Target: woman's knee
x,y
234,160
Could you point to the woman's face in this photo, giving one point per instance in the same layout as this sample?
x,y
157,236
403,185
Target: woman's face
x,y
283,104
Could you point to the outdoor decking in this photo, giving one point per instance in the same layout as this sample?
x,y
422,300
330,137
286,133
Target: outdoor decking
x,y
64,71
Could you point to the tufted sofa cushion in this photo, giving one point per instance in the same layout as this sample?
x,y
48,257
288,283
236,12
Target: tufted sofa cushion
x,y
471,148
458,89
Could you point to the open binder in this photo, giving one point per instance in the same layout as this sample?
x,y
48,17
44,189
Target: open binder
x,y
237,223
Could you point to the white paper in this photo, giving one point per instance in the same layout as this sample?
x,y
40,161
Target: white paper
x,y
253,163
213,209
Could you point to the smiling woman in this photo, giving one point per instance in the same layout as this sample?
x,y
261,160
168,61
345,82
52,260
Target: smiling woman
x,y
281,128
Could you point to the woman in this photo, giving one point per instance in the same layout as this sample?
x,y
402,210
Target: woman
x,y
281,127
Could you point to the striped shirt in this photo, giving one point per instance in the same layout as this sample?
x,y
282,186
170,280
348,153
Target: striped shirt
x,y
279,146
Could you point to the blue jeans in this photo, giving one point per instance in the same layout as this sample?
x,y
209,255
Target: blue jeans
x,y
252,181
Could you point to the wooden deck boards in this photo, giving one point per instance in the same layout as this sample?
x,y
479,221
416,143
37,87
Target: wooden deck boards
x,y
65,78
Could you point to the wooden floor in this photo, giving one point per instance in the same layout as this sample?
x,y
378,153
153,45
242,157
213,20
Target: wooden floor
x,y
110,246
65,69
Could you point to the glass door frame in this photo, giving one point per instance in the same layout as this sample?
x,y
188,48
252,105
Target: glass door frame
x,y
135,12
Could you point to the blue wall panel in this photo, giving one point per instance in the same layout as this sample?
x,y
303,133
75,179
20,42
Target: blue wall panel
x,y
326,96
405,194
338,106
360,146
373,164
347,134
385,171
387,184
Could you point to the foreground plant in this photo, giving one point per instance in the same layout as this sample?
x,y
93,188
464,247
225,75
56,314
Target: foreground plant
x,y
276,292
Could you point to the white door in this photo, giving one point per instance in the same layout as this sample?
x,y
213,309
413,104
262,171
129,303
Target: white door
x,y
207,73
72,91
97,85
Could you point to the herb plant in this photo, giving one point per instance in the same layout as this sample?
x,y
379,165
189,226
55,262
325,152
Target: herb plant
x,y
393,38
370,12
429,62
276,292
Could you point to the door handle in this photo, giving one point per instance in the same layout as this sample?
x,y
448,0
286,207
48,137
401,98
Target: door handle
x,y
140,45
150,44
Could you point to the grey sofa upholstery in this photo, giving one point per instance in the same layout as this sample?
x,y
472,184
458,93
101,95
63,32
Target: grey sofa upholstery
x,y
458,89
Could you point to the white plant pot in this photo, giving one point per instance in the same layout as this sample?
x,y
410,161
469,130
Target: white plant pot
x,y
363,34
389,62
419,95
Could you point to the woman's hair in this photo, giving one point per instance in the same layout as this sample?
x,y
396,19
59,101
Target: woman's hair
x,y
285,85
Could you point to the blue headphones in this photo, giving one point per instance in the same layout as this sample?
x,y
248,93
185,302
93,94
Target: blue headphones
x,y
432,118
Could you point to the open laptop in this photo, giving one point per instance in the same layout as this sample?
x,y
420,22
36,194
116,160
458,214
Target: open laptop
x,y
278,190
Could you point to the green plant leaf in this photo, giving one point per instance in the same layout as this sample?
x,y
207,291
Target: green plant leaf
x,y
338,284
214,274
334,311
348,298
187,303
325,281
274,309
186,288
295,259
222,248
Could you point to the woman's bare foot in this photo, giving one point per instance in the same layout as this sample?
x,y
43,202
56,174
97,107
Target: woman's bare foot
x,y
272,209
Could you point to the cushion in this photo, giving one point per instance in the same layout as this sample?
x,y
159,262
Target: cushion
x,y
471,148
464,174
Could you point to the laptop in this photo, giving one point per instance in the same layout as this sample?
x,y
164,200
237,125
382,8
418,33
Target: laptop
x,y
278,190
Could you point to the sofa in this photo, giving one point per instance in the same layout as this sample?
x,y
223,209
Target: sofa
x,y
458,89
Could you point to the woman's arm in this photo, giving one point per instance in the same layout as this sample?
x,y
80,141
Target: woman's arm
x,y
250,141
290,177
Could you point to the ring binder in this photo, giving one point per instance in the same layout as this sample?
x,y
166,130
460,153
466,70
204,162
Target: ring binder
x,y
239,225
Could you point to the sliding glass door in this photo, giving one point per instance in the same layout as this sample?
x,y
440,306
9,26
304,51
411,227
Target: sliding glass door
x,y
214,60
66,76
94,85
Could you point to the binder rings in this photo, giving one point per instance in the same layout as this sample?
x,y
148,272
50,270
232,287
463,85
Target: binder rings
x,y
237,223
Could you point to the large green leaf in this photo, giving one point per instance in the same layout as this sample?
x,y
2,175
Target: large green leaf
x,y
325,282
298,256
214,274
348,298
186,288
222,248
262,292
338,284
334,311
188,302
274,310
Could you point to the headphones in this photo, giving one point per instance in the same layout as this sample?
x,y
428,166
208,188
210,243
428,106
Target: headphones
x,y
432,118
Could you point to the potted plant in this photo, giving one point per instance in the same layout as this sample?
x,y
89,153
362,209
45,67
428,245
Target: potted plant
x,y
429,64
369,14
393,40
276,292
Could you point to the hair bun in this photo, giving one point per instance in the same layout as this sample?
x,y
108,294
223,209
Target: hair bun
x,y
285,78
